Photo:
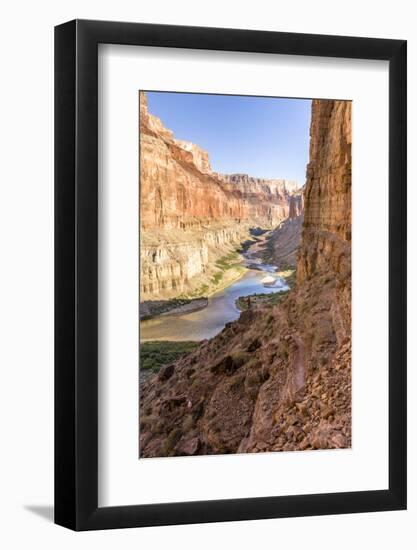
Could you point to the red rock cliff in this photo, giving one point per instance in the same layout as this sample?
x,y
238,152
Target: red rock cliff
x,y
179,189
327,220
189,215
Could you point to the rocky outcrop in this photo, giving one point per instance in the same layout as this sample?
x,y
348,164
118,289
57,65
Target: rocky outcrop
x,y
182,263
283,243
279,378
296,203
189,215
199,157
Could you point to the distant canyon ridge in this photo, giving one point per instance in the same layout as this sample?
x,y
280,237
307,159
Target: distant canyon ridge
x,y
191,216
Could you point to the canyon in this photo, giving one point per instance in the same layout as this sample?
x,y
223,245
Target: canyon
x,y
278,378
190,216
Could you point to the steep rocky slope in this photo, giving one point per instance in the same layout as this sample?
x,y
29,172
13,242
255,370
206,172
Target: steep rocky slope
x,y
278,378
283,242
191,216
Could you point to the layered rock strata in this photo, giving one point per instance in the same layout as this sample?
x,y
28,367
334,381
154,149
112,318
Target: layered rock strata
x,y
279,378
191,216
181,263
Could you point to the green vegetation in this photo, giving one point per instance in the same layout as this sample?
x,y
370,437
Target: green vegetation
x,y
225,263
262,299
217,277
199,292
269,299
228,261
155,354
229,268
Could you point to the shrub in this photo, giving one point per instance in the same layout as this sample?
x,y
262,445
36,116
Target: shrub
x,y
154,355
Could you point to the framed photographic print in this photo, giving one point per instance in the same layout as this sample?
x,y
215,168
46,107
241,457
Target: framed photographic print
x,y
230,275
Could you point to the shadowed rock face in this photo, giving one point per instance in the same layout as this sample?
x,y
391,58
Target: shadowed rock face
x,y
284,242
191,216
279,378
327,219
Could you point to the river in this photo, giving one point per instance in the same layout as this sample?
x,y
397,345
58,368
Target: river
x,y
221,308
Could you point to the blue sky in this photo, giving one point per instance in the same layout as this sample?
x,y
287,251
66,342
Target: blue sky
x,y
262,137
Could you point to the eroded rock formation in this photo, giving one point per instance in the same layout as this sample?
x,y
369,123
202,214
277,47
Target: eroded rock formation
x,y
278,378
284,242
191,216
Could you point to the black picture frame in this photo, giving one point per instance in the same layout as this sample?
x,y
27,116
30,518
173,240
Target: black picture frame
x,y
76,272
